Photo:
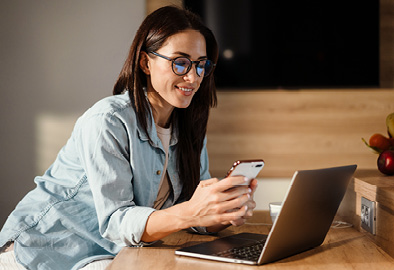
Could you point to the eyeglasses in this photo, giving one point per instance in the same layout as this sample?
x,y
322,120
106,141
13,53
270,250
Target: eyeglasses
x,y
182,65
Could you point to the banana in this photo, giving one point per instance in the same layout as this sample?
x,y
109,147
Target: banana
x,y
390,124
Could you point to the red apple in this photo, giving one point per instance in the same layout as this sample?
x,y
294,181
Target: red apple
x,y
386,162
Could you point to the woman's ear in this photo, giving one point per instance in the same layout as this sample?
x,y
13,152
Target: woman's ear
x,y
144,63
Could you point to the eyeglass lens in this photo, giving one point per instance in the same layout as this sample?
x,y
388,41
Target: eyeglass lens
x,y
182,65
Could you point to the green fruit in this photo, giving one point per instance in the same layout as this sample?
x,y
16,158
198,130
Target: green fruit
x,y
390,124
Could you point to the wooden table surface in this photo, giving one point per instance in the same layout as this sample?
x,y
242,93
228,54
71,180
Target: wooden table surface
x,y
344,248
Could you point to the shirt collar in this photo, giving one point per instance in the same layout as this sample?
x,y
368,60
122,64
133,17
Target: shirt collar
x,y
153,132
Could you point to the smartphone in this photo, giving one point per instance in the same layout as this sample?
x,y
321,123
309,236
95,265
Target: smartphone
x,y
247,168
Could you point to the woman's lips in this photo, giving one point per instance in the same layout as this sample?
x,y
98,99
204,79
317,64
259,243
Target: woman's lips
x,y
185,91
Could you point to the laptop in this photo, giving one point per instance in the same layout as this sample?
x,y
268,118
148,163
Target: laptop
x,y
307,213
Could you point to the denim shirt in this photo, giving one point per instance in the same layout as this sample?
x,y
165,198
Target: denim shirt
x,y
98,194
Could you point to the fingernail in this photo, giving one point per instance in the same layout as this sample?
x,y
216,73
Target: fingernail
x,y
246,179
249,190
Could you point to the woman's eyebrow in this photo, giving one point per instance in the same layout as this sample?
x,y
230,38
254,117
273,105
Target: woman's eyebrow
x,y
188,55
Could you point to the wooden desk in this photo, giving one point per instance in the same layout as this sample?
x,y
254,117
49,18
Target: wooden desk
x,y
342,249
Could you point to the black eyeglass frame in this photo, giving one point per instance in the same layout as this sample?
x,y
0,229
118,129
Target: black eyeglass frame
x,y
189,67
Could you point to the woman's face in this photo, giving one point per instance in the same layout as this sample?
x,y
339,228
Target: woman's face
x,y
166,89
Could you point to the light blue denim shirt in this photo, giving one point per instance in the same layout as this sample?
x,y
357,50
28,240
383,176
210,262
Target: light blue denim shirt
x,y
98,194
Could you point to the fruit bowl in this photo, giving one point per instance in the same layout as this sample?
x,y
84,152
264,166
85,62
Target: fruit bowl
x,y
384,146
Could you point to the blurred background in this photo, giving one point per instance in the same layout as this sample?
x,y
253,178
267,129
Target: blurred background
x,y
57,58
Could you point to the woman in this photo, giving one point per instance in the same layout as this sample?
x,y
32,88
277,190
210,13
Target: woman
x,y
132,171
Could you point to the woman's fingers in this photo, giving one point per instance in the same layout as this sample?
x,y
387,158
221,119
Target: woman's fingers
x,y
208,182
236,217
236,192
230,182
235,203
227,201
253,185
238,222
251,206
218,191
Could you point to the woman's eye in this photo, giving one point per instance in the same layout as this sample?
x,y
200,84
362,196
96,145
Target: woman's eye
x,y
201,65
182,62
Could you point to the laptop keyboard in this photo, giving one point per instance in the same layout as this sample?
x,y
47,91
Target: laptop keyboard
x,y
248,252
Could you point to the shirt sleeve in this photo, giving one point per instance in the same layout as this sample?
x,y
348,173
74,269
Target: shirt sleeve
x,y
104,152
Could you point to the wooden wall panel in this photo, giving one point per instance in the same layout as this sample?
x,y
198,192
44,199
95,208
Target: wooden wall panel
x,y
152,5
296,129
387,43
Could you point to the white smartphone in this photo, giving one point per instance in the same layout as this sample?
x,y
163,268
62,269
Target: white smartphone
x,y
247,168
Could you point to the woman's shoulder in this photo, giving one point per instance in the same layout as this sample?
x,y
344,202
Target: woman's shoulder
x,y
111,105
117,108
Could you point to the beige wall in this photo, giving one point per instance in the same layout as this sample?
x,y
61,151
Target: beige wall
x,y
57,59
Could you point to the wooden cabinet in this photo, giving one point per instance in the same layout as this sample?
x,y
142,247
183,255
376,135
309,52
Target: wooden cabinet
x,y
374,186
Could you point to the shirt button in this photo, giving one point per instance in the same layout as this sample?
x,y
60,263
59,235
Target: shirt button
x,y
158,172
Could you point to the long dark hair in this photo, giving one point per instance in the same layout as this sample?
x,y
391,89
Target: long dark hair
x,y
191,121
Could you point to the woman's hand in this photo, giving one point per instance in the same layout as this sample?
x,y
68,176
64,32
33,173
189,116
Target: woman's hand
x,y
215,204
251,204
224,202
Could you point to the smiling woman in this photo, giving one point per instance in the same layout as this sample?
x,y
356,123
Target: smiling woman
x,y
173,87
130,173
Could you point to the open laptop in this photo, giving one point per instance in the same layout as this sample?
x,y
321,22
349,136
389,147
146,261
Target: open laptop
x,y
307,213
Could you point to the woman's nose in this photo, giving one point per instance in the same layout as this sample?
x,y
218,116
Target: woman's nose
x,y
192,76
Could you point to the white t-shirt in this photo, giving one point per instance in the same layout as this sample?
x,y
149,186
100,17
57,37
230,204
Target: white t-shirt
x,y
164,135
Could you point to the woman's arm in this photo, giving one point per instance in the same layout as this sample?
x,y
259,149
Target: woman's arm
x,y
212,205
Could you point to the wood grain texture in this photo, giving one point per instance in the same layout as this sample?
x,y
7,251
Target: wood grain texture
x,y
152,5
376,187
386,43
293,130
342,249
